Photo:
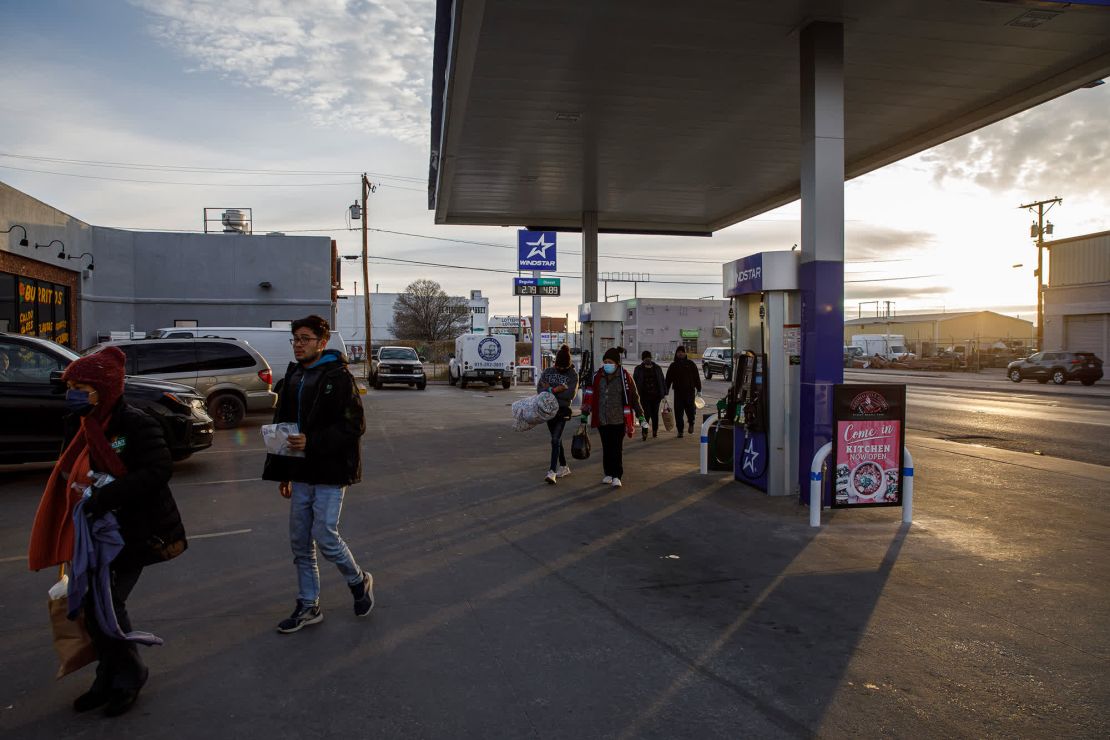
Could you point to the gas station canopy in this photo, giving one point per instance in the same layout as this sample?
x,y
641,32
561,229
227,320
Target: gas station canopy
x,y
685,119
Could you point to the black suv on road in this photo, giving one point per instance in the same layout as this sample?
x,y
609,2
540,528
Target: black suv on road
x,y
1059,367
32,403
717,360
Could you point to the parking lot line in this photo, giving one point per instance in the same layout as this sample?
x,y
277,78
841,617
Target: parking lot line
x,y
210,535
216,482
205,536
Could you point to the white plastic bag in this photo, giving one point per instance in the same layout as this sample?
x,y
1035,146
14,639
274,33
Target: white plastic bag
x,y
276,437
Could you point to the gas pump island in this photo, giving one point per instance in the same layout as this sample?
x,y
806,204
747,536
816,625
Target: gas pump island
x,y
763,400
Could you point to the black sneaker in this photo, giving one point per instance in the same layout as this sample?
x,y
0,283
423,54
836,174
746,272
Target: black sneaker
x,y
302,616
364,595
691,430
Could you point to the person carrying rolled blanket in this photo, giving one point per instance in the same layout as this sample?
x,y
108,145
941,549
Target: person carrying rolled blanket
x,y
562,381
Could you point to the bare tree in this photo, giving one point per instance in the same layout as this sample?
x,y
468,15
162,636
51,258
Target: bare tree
x,y
425,312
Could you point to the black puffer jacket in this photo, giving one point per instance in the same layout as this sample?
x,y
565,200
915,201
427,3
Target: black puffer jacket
x,y
330,416
141,500
649,381
683,376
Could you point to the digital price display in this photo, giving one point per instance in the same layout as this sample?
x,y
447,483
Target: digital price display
x,y
537,286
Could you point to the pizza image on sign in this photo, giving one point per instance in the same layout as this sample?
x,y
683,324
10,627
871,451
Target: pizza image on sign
x,y
867,447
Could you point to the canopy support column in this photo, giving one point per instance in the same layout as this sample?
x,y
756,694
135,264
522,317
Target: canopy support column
x,y
821,276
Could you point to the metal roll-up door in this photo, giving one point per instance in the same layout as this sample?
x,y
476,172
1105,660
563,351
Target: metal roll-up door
x,y
1086,333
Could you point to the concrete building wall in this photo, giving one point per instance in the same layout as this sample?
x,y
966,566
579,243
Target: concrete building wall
x,y
149,280
657,325
1077,300
479,312
43,224
351,320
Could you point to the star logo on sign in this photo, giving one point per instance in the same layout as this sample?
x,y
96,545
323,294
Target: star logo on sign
x,y
539,247
749,456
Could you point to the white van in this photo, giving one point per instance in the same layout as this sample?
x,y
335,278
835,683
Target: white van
x,y
271,343
482,358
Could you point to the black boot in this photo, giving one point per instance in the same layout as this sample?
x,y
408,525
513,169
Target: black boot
x,y
121,702
91,699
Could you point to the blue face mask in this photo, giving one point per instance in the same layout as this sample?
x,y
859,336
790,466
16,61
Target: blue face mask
x,y
78,402
609,368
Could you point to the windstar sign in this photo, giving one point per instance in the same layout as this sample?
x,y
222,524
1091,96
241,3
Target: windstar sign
x,y
535,250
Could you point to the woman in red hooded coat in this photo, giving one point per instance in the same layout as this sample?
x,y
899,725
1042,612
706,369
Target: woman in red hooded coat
x,y
106,435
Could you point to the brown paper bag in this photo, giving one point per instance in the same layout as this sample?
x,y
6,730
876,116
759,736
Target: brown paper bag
x,y
71,639
668,416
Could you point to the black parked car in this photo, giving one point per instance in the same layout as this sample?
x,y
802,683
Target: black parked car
x,y
32,403
1059,367
717,360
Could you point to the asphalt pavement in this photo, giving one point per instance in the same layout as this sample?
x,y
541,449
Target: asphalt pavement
x,y
680,606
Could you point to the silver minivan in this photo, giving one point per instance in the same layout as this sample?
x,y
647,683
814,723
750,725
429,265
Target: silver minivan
x,y
272,343
231,375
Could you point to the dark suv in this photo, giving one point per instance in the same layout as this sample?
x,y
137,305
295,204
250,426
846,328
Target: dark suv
x,y
32,403
717,360
1059,367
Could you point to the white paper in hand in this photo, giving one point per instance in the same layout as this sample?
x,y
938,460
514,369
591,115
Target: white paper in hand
x,y
276,438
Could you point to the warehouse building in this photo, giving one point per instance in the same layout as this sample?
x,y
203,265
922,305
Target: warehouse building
x,y
1077,299
69,281
927,334
659,325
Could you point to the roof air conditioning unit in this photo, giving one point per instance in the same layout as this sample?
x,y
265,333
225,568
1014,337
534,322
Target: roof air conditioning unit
x,y
234,221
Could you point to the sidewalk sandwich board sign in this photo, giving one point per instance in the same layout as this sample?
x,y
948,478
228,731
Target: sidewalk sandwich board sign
x,y
869,436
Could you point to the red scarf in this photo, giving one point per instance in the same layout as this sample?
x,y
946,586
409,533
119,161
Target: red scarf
x,y
52,533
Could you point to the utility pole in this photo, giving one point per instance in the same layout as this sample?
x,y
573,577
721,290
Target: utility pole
x,y
1038,230
366,272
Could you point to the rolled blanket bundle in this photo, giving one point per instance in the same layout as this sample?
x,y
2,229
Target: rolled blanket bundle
x,y
534,410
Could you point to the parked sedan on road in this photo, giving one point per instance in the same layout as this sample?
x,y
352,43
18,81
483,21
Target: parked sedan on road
x,y
1059,367
32,403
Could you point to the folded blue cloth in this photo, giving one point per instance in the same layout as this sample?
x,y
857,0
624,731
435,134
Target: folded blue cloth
x,y
96,544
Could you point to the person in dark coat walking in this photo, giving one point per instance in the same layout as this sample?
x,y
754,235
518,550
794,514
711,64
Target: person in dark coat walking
x,y
319,394
684,378
651,384
107,435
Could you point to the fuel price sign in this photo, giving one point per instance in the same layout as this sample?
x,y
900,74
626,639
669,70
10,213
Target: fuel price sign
x,y
537,286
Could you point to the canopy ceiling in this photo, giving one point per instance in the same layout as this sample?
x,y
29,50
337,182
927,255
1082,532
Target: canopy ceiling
x,y
684,118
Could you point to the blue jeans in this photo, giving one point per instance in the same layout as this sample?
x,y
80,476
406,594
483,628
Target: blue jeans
x,y
314,520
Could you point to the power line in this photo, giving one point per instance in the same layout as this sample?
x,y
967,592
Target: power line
x,y
201,184
189,168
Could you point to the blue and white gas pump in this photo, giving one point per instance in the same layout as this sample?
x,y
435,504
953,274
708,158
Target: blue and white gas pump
x,y
765,392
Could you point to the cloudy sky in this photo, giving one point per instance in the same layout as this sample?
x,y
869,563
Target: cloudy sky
x,y
193,88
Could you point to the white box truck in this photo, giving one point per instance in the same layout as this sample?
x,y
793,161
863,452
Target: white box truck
x,y
888,346
484,358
